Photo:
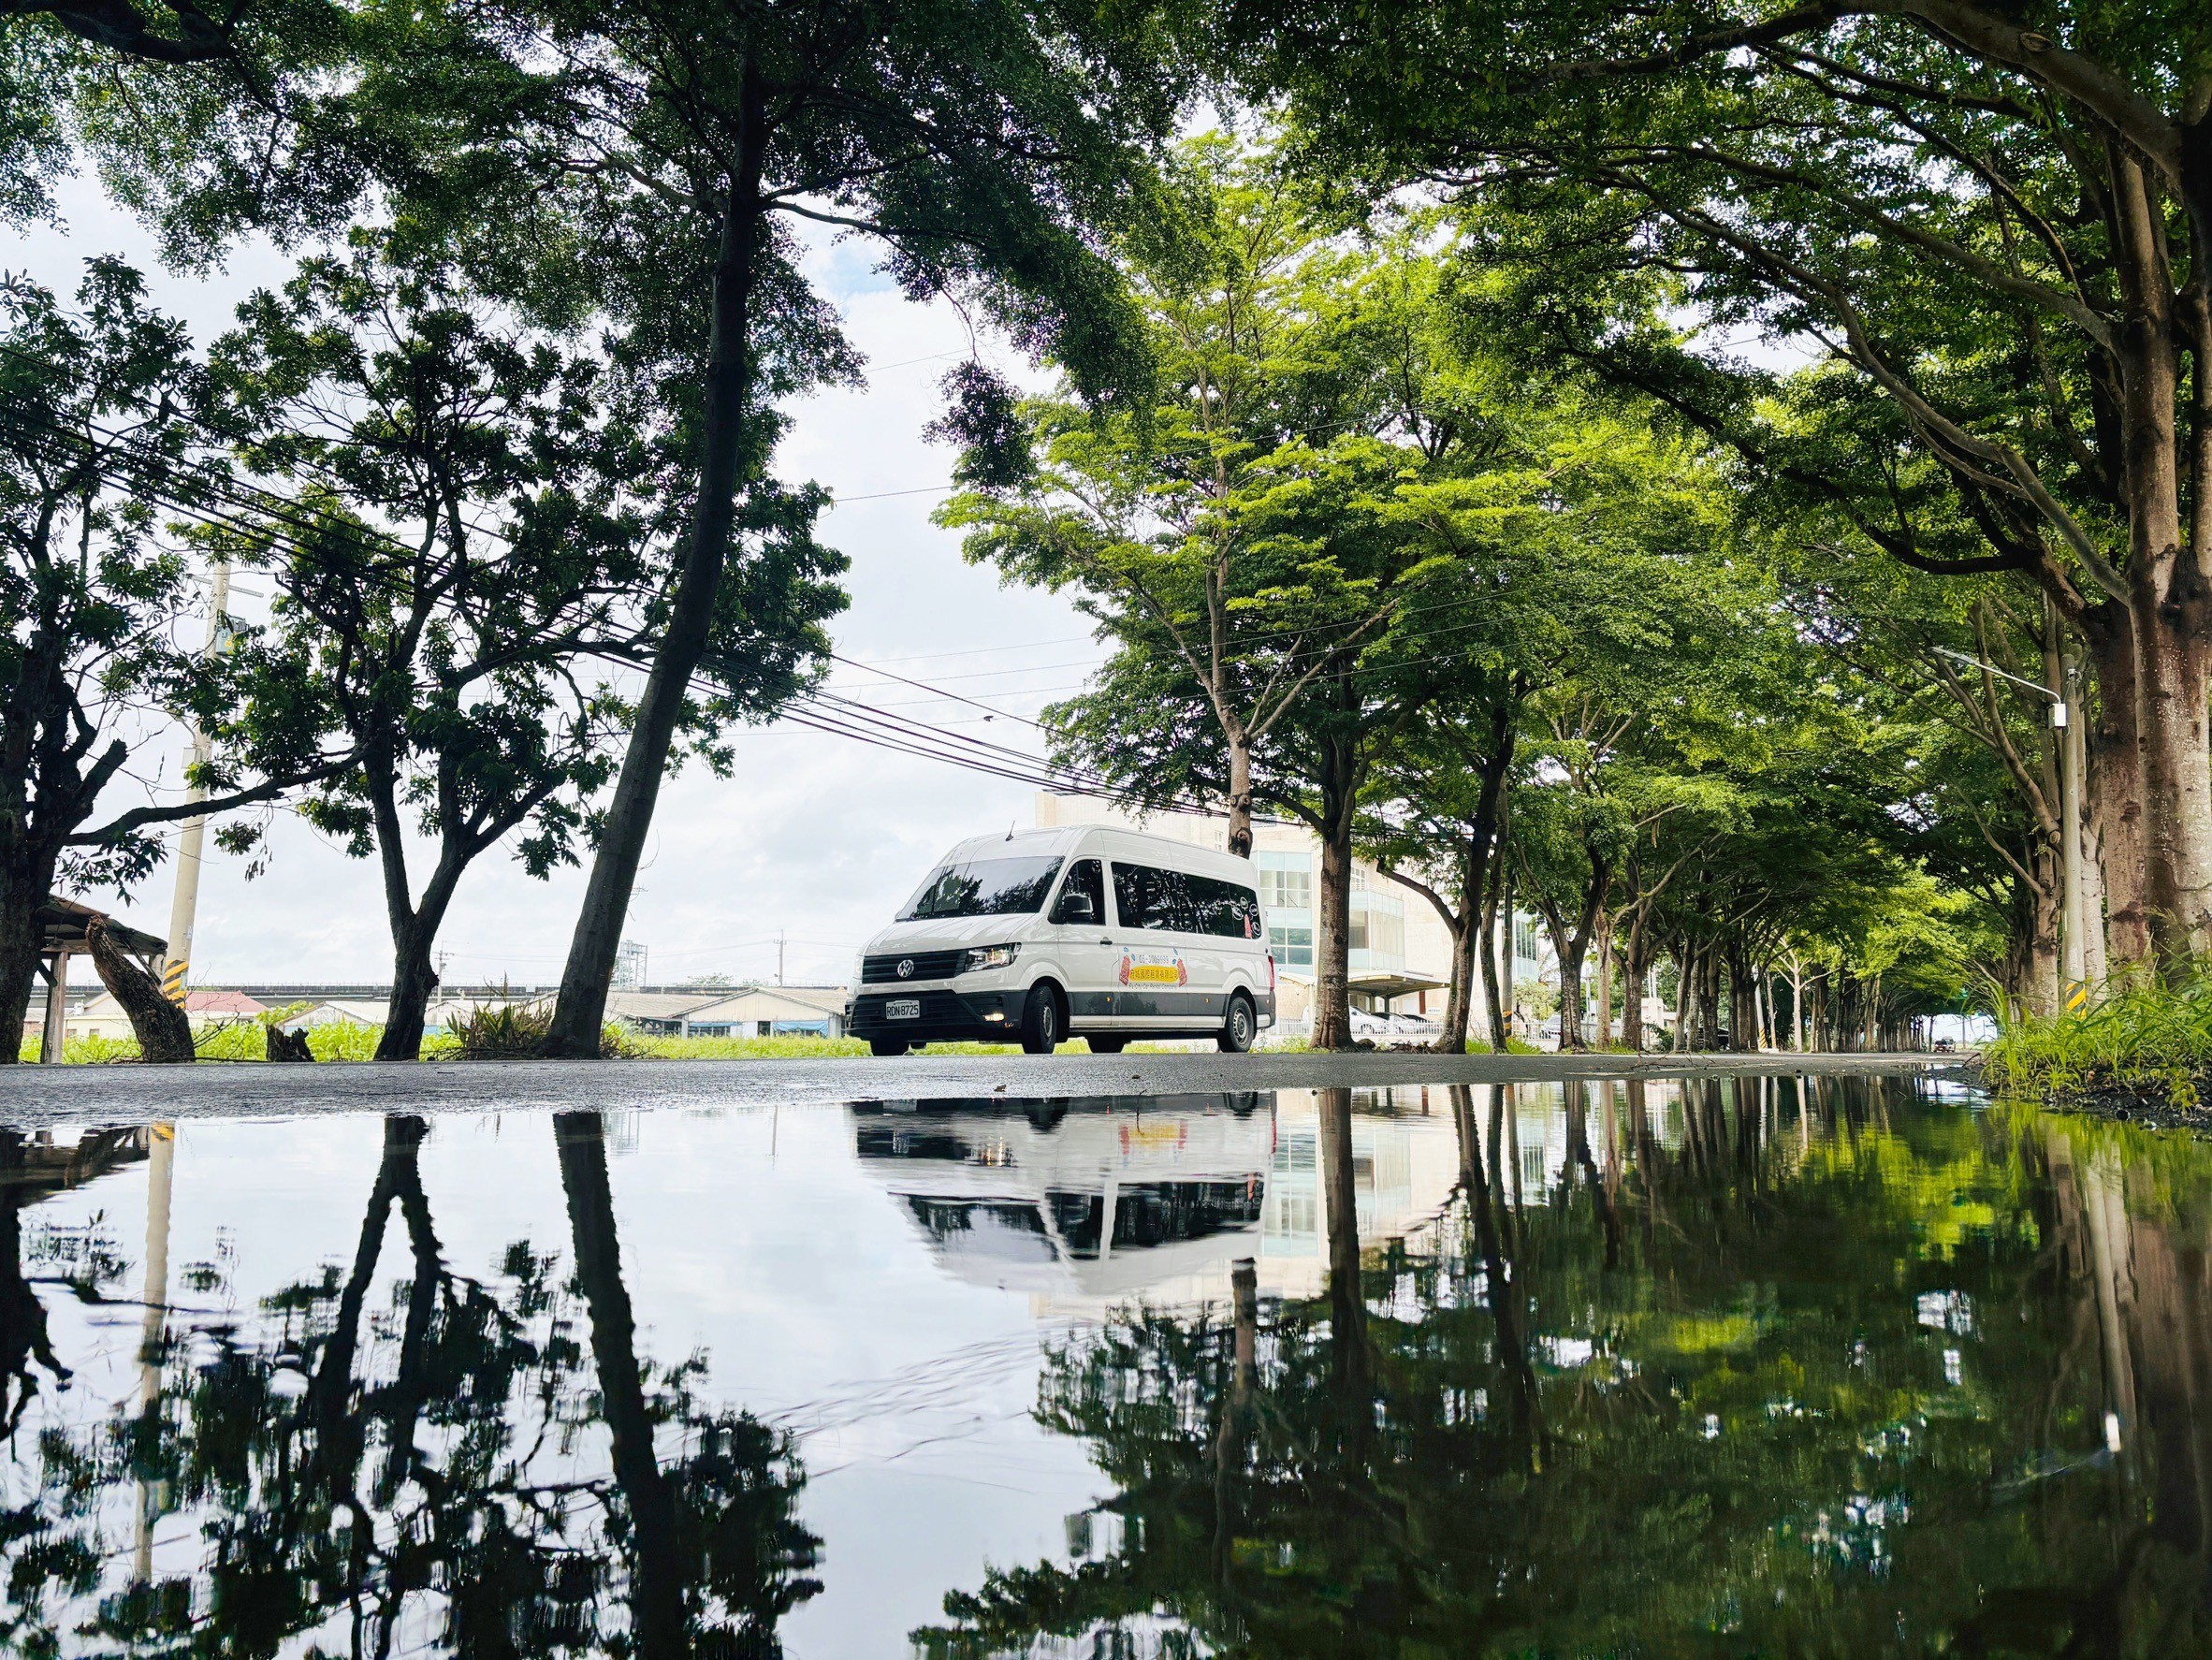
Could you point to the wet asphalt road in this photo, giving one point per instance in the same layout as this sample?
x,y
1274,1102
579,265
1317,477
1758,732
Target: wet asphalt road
x,y
34,1096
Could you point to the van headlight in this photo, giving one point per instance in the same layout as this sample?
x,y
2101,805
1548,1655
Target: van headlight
x,y
988,956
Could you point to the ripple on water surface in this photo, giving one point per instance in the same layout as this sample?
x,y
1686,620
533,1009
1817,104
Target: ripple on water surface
x,y
1759,1366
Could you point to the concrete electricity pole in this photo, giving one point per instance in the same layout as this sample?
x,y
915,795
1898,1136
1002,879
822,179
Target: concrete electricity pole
x,y
184,904
2074,919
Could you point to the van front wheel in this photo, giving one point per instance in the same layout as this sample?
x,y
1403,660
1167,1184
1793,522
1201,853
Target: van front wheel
x,y
1041,1021
1240,1027
888,1045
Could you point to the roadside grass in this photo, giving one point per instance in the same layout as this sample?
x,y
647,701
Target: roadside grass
x,y
2139,1037
497,1038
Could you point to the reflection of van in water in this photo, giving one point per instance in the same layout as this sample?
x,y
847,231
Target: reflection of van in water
x,y
1095,933
1114,1197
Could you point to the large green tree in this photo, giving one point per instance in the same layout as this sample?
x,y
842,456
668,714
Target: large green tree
x,y
105,424
1950,200
1167,520
652,162
474,545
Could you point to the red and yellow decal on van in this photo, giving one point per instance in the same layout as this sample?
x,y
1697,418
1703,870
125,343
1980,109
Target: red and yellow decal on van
x,y
1153,971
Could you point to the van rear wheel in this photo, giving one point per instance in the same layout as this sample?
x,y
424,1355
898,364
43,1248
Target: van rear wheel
x,y
1106,1045
1240,1027
1042,1021
888,1045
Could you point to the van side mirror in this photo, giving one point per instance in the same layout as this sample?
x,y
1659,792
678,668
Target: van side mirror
x,y
1076,907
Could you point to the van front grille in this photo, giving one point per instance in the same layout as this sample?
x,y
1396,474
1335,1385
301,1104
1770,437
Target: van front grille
x,y
939,1008
928,965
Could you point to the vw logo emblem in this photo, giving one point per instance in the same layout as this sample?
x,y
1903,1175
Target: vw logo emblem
x,y
906,967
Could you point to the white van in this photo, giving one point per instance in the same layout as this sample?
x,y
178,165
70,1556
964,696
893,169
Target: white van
x,y
1100,934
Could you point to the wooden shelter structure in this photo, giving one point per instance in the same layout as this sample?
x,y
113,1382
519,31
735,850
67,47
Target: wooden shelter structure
x,y
62,925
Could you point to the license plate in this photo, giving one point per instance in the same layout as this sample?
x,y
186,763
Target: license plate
x,y
903,1009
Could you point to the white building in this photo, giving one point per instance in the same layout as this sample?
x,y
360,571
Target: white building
x,y
1399,953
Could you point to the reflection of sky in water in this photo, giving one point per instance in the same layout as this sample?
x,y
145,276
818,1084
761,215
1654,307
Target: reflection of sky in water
x,y
795,1262
895,1284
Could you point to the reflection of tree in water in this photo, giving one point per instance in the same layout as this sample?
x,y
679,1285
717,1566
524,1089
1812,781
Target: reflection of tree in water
x,y
1827,1375
29,1170
427,1472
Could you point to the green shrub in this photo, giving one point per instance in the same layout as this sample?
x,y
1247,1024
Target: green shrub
x,y
89,1050
2139,1034
501,1031
343,1040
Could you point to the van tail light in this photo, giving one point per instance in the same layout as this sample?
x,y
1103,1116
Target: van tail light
x,y
1271,973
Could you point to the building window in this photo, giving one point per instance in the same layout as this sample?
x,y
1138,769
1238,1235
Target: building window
x,y
1524,938
1293,948
1379,924
1285,880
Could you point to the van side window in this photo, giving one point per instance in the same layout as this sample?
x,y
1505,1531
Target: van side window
x,y
1174,901
1084,877
1227,910
1146,896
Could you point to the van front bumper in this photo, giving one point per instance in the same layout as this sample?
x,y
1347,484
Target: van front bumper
x,y
946,1016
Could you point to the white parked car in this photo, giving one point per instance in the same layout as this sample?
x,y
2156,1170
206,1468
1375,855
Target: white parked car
x,y
1100,934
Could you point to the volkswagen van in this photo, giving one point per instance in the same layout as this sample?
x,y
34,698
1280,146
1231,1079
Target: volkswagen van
x,y
1091,932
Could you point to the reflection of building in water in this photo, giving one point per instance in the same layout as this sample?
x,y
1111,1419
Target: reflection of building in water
x,y
1404,1163
1085,1203
45,1161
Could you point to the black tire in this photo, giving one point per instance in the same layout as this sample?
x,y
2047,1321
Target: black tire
x,y
1043,1022
888,1045
1107,1045
1241,1027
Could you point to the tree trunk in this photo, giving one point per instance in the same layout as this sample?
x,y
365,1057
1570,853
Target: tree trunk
x,y
1708,995
164,1032
1632,977
1508,934
1333,1021
1240,793
2169,598
1743,1008
413,979
20,942
1458,1000
1477,860
2040,993
1604,980
1570,948
581,1012
2177,678
2115,786
1492,1001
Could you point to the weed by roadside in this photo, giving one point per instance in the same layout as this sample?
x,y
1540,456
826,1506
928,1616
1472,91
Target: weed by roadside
x,y
2139,1038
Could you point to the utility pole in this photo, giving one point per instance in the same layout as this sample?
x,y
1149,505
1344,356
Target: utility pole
x,y
184,904
779,957
2073,920
2073,757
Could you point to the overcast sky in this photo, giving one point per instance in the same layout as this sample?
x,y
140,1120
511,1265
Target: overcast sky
x,y
816,837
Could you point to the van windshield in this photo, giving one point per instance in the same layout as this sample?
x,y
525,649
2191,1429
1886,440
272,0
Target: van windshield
x,y
983,887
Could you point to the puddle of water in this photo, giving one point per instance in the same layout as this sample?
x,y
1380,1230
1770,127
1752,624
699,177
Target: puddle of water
x,y
1845,1366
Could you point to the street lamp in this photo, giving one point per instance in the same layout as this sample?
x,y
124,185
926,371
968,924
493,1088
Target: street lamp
x,y
2074,939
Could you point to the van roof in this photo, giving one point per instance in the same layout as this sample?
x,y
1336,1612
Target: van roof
x,y
1109,840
